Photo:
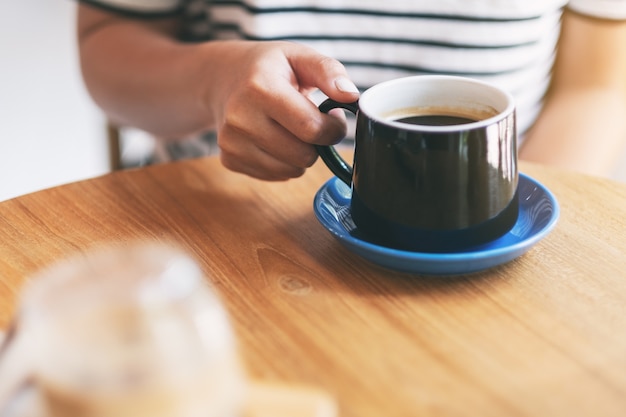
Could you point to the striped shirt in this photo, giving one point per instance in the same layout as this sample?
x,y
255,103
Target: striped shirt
x,y
510,43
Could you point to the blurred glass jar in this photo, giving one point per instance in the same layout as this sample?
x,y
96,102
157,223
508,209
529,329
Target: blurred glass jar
x,y
133,331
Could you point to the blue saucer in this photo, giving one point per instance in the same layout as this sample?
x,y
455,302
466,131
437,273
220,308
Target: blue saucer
x,y
538,215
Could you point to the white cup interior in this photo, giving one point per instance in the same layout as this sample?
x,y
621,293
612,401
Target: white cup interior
x,y
436,94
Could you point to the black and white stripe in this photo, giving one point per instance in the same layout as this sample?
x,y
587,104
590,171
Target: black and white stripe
x,y
377,41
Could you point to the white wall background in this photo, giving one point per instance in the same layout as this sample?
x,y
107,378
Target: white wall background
x,y
50,132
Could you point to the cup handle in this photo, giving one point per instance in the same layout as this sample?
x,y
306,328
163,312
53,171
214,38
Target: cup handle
x,y
329,154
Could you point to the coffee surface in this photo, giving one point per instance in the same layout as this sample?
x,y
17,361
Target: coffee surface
x,y
436,120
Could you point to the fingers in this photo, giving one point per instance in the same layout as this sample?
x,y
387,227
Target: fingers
x,y
269,124
286,102
287,156
301,117
329,75
253,143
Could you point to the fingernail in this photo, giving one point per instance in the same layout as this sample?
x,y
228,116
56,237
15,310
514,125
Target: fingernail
x,y
345,85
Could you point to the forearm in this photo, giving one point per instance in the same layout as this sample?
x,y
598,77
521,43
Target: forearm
x,y
143,77
582,130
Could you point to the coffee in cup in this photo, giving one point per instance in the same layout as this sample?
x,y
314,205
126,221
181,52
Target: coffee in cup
x,y
435,163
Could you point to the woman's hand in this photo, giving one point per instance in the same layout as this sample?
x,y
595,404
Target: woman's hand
x,y
266,124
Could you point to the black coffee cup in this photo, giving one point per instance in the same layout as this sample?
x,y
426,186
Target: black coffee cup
x,y
435,163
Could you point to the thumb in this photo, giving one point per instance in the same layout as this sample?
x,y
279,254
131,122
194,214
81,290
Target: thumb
x,y
319,71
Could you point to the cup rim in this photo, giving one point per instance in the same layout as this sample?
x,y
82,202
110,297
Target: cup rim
x,y
501,115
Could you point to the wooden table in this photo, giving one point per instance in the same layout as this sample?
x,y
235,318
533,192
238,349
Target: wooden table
x,y
544,335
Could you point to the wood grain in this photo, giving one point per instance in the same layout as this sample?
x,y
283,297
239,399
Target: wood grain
x,y
543,335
